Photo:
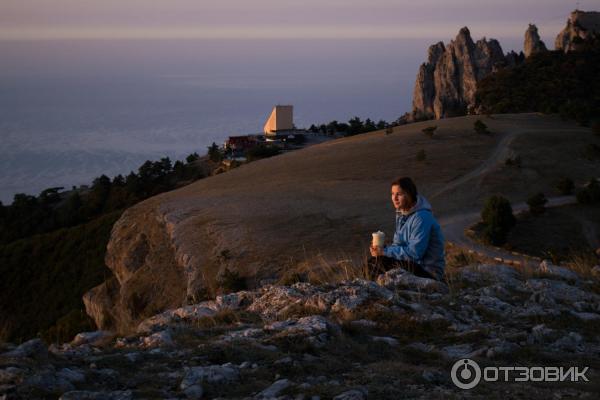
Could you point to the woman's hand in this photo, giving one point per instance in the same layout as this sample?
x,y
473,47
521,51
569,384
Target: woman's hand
x,y
376,251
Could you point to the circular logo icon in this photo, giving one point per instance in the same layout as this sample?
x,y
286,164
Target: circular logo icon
x,y
466,373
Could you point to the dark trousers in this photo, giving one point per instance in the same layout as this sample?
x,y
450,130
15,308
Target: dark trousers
x,y
381,264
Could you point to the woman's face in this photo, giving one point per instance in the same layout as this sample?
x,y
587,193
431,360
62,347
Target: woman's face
x,y
401,199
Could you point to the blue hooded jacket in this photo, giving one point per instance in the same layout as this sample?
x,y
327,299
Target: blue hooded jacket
x,y
418,238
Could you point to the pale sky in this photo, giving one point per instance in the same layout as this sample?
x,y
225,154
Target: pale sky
x,y
252,19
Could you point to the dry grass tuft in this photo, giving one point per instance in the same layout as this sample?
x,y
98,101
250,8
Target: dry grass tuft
x,y
322,270
297,310
582,262
456,259
226,318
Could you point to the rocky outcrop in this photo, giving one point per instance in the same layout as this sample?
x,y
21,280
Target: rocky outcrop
x,y
580,25
145,279
342,340
533,44
447,82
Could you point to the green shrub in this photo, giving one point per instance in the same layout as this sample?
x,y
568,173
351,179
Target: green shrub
x,y
516,162
498,219
565,186
548,82
230,281
421,156
262,151
590,194
215,153
192,157
429,130
592,152
537,203
68,326
596,128
45,276
480,127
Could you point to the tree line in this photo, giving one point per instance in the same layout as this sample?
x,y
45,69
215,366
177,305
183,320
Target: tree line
x,y
50,210
354,126
550,82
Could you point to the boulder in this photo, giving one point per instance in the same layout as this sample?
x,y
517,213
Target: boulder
x,y
92,338
555,271
102,395
311,325
215,374
275,389
354,394
34,348
399,278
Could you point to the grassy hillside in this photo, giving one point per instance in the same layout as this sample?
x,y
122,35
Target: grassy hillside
x,y
313,206
45,276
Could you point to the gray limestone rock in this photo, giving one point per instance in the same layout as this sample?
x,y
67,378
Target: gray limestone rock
x,y
533,44
73,375
390,341
354,394
275,389
399,278
579,25
219,374
572,342
34,348
102,395
91,338
158,339
311,325
559,291
194,392
48,382
554,271
457,351
445,85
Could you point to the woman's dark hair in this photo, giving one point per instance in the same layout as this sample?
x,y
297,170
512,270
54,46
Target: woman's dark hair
x,y
408,186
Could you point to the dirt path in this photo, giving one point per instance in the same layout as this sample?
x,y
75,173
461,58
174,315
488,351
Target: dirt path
x,y
498,156
454,229
590,232
454,226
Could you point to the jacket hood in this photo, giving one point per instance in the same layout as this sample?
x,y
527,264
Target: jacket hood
x,y
422,204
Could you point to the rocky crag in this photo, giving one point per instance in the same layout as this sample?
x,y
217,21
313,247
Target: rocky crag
x,y
446,84
533,44
395,337
580,25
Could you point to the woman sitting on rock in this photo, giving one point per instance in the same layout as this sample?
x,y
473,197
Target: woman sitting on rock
x,y
418,244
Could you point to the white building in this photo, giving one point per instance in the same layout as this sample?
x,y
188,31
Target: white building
x,y
280,120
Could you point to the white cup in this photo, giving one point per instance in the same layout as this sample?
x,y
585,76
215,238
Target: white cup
x,y
378,239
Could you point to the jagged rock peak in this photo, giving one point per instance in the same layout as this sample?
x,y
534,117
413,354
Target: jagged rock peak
x,y
446,83
579,25
533,44
435,52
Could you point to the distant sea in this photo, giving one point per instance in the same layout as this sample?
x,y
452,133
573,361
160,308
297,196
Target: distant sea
x,y
73,110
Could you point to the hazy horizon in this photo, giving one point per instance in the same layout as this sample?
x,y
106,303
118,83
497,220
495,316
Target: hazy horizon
x,y
262,19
